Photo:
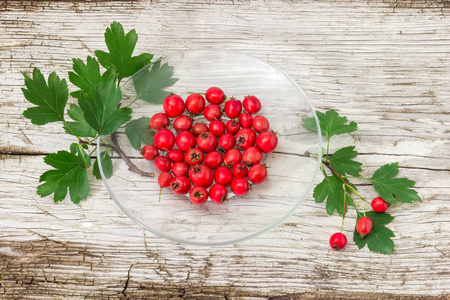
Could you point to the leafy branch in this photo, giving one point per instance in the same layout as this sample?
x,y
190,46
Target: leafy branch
x,y
97,113
339,167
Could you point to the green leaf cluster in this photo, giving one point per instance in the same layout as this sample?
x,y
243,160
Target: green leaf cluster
x,y
339,167
97,113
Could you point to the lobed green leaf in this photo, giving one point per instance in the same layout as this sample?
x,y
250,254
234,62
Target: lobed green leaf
x,y
342,161
331,188
393,189
139,132
121,48
151,82
101,113
67,175
107,166
50,100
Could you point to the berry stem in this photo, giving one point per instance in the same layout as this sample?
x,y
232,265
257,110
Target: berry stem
x,y
328,150
343,213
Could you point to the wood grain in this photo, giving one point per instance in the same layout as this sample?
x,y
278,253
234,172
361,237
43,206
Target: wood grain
x,y
383,64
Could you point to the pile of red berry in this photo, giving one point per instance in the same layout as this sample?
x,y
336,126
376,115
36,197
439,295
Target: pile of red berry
x,y
224,151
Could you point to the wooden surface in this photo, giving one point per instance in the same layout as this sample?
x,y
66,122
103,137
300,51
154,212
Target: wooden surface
x,y
384,64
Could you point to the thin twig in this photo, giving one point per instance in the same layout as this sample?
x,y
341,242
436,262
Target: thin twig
x,y
327,163
132,167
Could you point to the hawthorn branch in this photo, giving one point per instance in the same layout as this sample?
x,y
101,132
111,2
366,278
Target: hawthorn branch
x,y
132,167
328,165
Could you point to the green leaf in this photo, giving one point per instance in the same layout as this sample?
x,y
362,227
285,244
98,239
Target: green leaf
x,y
101,113
85,76
139,132
80,127
331,188
50,100
151,82
67,175
121,48
379,239
341,161
309,124
392,189
106,163
83,158
330,124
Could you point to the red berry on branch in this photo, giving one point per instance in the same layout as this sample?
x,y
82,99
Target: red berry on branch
x,y
364,226
379,205
338,241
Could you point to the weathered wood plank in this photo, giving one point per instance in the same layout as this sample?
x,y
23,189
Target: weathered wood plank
x,y
83,247
383,64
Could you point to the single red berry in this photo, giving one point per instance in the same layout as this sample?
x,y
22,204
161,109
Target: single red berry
x,y
252,104
212,112
195,103
232,157
233,126
245,120
201,175
240,170
364,226
260,124
217,127
185,140
159,121
213,159
163,163
223,175
245,138
173,105
233,108
240,186
218,193
227,141
207,142
175,155
257,174
199,128
149,152
198,195
215,95
164,180
267,141
180,168
338,241
379,205
180,185
194,157
252,156
183,122
164,139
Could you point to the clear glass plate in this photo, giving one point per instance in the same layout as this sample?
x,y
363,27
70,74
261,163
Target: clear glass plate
x,y
291,173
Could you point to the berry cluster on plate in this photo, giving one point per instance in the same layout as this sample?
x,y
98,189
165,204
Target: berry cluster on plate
x,y
206,158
